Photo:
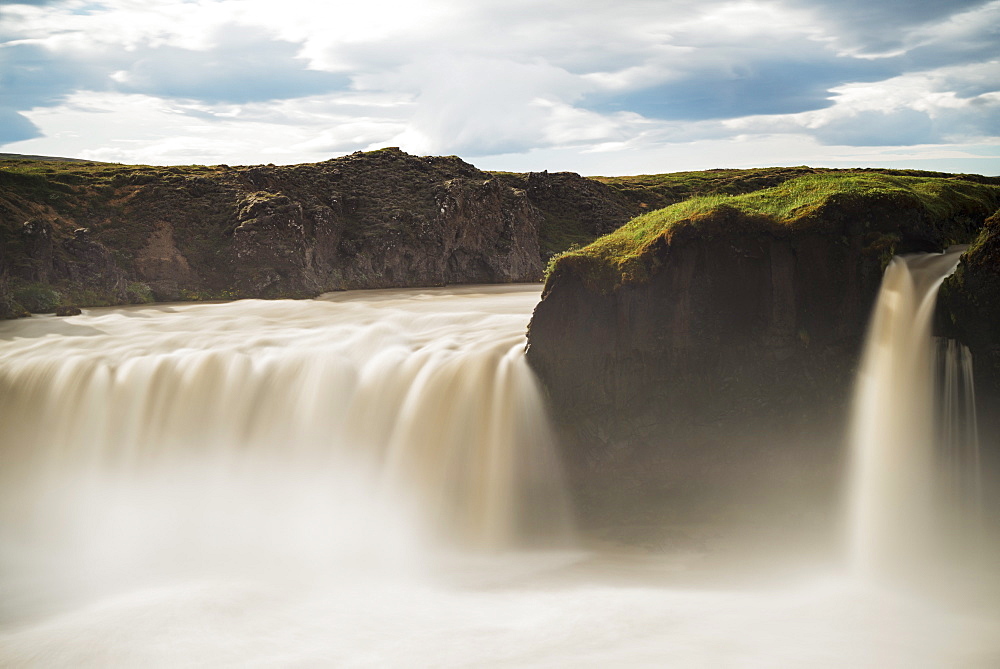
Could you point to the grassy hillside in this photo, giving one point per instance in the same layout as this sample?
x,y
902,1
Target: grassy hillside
x,y
949,209
578,210
51,159
655,191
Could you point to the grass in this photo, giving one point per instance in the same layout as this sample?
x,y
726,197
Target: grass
x,y
37,298
660,190
627,255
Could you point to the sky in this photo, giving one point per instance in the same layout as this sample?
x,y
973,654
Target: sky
x,y
599,87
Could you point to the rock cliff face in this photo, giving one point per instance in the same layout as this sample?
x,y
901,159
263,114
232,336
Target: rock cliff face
x,y
74,233
738,346
969,305
575,209
969,311
380,219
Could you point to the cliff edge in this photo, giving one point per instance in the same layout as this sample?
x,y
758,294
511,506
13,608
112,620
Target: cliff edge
x,y
89,234
724,331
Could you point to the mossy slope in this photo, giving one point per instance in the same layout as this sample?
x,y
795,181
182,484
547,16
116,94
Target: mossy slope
x,y
897,212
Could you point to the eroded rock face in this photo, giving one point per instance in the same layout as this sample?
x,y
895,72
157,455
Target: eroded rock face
x,y
87,262
269,245
734,338
162,266
372,220
730,370
384,219
48,256
969,306
574,206
373,231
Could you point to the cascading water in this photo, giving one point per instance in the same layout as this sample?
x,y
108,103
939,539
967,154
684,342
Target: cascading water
x,y
144,439
312,483
958,457
906,442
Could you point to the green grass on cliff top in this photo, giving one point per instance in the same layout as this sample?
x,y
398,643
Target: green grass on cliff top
x,y
623,256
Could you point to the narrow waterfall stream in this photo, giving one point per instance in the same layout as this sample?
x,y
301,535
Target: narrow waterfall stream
x,y
368,479
958,456
914,444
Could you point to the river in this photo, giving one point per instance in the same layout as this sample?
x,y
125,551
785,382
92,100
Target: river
x,y
367,479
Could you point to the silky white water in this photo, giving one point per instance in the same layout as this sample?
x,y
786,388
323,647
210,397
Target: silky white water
x,y
914,481
958,454
364,480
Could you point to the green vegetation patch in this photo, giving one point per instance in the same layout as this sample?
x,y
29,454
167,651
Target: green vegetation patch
x,y
660,190
628,255
561,233
37,298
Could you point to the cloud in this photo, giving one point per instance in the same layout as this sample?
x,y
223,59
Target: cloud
x,y
14,127
945,105
494,77
905,127
479,106
867,27
345,135
733,60
243,65
962,38
743,87
144,129
32,76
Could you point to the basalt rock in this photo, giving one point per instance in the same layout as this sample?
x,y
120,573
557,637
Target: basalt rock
x,y
969,306
110,234
575,209
736,346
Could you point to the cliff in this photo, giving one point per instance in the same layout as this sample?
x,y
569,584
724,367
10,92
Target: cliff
x,y
90,234
723,332
76,233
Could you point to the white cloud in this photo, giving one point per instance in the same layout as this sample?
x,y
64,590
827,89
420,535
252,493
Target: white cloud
x,y
972,25
172,81
477,105
749,151
909,107
118,127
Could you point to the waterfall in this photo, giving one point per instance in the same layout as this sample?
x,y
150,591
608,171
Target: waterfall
x,y
279,434
960,483
913,443
355,481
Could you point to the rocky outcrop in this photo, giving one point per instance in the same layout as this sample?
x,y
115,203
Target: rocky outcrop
x,y
107,234
736,344
969,311
575,210
969,306
368,220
